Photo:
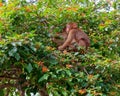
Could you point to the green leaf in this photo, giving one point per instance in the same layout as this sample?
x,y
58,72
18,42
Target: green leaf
x,y
53,61
19,43
44,77
29,68
68,72
13,43
33,48
64,92
17,56
13,51
2,93
56,93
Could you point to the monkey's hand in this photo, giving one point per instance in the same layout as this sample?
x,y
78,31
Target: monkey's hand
x,y
60,48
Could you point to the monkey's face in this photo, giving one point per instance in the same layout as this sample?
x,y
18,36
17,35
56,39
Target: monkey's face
x,y
68,28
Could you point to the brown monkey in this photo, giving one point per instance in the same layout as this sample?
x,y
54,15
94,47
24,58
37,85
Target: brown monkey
x,y
61,37
74,34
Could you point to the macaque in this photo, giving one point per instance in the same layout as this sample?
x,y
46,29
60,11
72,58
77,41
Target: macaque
x,y
61,37
75,35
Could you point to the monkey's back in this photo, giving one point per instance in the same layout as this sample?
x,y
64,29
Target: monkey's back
x,y
80,35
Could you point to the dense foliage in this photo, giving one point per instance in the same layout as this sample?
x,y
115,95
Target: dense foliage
x,y
31,63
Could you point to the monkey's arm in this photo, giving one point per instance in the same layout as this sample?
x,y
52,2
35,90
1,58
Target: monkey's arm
x,y
60,38
58,41
68,41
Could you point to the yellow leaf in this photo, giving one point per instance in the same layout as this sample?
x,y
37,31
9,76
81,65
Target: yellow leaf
x,y
95,40
108,22
117,86
113,93
49,48
90,76
65,52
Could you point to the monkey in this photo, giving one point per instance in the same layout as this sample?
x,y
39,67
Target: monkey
x,y
75,34
60,38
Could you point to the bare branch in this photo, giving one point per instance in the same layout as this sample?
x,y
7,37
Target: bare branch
x,y
8,85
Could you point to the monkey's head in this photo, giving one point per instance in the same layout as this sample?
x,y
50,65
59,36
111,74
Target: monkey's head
x,y
71,25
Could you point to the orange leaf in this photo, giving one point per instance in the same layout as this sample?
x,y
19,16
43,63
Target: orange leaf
x,y
27,9
1,4
40,63
83,15
44,69
69,66
113,93
102,24
82,91
72,9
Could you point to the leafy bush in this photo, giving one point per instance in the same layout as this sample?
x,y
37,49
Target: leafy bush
x,y
31,63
